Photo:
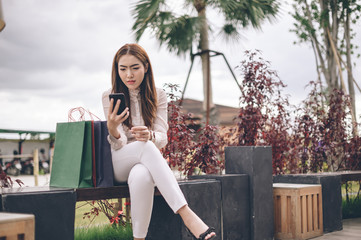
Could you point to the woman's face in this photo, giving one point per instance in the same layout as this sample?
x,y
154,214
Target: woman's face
x,y
131,71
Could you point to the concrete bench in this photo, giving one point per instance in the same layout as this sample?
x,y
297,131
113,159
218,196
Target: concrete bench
x,y
54,208
221,200
100,193
238,204
350,176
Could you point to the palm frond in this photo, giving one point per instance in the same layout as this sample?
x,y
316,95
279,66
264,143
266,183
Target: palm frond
x,y
188,4
230,33
224,5
145,13
179,34
247,12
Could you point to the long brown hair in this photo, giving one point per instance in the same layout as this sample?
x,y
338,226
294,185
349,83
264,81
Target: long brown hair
x,y
147,87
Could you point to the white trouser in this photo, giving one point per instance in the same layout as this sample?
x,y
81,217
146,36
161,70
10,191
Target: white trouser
x,y
142,164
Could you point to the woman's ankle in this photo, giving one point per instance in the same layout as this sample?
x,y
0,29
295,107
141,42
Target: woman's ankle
x,y
192,221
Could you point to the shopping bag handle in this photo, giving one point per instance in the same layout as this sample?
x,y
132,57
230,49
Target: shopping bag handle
x,y
82,115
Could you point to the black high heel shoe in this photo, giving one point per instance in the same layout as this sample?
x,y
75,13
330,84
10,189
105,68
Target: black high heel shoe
x,y
203,235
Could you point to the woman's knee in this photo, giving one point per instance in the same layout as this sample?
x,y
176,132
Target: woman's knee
x,y
151,153
139,174
149,147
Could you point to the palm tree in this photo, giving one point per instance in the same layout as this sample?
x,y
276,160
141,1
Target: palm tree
x,y
181,33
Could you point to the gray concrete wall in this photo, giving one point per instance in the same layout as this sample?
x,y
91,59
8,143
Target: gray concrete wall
x,y
256,162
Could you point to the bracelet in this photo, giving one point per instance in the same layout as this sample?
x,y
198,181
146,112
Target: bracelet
x,y
150,135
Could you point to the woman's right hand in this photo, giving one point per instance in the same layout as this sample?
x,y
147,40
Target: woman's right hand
x,y
115,120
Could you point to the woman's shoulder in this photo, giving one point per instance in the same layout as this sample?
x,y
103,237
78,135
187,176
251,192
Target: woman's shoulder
x,y
105,97
160,92
106,93
162,96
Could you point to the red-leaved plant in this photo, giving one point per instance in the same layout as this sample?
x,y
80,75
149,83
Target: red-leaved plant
x,y
353,154
309,131
180,136
205,154
188,150
6,181
323,132
111,210
263,117
338,130
318,139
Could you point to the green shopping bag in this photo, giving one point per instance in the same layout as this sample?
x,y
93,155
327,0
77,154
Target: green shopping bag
x,y
72,160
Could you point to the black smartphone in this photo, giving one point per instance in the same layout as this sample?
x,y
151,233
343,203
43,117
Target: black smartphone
x,y
121,97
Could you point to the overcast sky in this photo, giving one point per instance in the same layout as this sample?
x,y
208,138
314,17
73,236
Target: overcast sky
x,y
57,55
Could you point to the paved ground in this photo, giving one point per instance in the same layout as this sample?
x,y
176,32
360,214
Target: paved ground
x,y
351,231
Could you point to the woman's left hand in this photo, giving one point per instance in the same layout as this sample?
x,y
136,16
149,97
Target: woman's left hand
x,y
141,133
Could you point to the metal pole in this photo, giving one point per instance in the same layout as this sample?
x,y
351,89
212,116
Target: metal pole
x,y
230,69
185,86
208,77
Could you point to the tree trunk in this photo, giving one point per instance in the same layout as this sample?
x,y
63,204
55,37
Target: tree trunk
x,y
328,50
200,6
351,89
316,47
331,71
334,28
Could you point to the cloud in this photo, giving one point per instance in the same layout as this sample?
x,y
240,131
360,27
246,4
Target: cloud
x,y
55,55
48,36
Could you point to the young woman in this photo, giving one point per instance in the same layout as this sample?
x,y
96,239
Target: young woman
x,y
135,137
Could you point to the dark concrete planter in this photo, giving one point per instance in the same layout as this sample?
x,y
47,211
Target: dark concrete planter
x,y
235,204
331,195
203,197
54,210
257,163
